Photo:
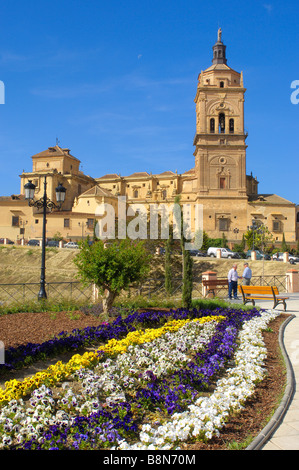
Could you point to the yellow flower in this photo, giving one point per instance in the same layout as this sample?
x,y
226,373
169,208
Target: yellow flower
x,y
60,371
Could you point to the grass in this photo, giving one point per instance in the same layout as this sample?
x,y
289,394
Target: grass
x,y
122,306
42,306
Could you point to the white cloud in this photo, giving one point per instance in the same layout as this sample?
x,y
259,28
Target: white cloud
x,y
268,7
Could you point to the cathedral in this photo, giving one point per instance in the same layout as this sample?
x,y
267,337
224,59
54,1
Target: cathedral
x,y
218,181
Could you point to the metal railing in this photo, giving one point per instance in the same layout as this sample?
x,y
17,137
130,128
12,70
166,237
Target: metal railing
x,y
156,287
28,291
76,291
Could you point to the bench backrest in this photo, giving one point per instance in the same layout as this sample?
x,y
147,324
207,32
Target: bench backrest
x,y
259,289
215,282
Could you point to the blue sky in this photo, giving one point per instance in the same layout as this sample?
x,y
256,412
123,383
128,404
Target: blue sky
x,y
115,82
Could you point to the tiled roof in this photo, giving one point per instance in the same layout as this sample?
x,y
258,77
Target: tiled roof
x,y
97,191
108,176
55,151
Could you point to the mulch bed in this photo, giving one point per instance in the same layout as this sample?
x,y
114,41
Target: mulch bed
x,y
21,328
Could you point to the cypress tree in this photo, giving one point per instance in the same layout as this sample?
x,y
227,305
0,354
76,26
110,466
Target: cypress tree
x,y
168,262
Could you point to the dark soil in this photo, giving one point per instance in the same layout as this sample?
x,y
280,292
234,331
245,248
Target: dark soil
x,y
21,328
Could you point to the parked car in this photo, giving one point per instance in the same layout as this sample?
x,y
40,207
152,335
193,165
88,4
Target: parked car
x,y
259,255
8,241
53,243
225,252
197,253
71,245
293,259
33,243
277,256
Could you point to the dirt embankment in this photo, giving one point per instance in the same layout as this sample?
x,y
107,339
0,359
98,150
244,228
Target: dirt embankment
x,y
22,264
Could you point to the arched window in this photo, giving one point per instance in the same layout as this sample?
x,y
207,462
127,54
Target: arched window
x,y
231,126
135,193
164,194
221,84
212,125
221,123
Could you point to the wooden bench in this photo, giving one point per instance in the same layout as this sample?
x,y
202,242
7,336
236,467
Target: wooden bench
x,y
252,293
213,284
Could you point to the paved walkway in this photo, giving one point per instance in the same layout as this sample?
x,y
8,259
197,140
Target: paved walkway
x,y
286,420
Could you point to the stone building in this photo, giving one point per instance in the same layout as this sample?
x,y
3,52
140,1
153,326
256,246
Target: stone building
x,y
218,181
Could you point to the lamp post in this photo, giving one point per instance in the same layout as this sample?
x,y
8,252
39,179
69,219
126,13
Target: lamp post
x,y
44,203
236,231
82,225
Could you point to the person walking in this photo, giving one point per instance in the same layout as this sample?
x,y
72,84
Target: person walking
x,y
233,282
247,275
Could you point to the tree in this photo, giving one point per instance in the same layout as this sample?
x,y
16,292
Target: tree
x,y
168,267
224,241
187,279
112,267
57,237
187,266
258,237
284,246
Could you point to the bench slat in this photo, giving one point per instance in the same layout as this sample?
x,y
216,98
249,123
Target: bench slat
x,y
251,293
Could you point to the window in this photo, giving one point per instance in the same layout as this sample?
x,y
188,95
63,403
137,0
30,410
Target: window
x,y
15,221
222,183
223,225
164,194
135,193
276,226
36,221
221,84
212,125
90,223
231,126
222,123
66,223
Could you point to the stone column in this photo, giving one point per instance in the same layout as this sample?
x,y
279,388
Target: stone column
x,y
208,275
253,255
292,281
285,257
218,253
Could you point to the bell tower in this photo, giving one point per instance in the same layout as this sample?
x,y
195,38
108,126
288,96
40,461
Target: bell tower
x,y
220,148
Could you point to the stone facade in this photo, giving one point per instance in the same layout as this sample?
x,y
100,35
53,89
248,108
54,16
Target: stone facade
x,y
218,180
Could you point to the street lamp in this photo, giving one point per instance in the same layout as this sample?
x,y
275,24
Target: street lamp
x,y
82,225
44,203
236,231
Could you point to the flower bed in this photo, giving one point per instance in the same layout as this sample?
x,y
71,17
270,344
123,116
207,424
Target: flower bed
x,y
150,389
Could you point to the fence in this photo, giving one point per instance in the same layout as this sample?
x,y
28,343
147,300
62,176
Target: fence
x,y
28,291
75,290
156,287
